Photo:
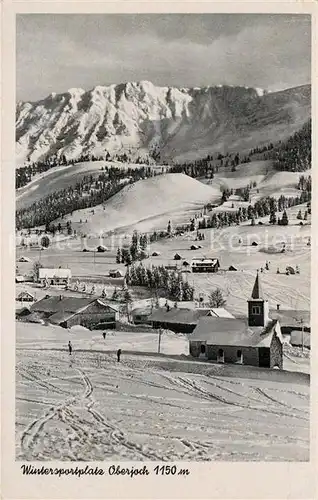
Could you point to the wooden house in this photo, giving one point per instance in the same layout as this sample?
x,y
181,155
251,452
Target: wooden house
x,y
53,276
69,311
205,265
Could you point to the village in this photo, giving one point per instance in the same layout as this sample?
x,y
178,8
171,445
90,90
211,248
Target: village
x,y
52,296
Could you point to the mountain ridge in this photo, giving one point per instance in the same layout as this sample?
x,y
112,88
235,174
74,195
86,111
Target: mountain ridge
x,y
139,119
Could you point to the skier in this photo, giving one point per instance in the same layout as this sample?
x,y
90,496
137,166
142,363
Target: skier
x,y
118,355
70,348
104,335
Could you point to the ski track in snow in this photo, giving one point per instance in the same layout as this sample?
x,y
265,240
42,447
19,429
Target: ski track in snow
x,y
135,412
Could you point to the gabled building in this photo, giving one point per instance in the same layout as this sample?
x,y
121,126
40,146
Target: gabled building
x,y
69,311
25,297
205,265
256,340
52,276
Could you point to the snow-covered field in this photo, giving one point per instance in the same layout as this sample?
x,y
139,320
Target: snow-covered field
x,y
148,407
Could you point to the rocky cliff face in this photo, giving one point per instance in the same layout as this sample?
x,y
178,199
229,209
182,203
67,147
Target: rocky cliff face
x,y
141,119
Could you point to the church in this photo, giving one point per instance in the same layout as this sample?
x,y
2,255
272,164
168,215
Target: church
x,y
255,341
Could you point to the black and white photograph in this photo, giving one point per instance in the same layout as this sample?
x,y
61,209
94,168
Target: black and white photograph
x,y
163,238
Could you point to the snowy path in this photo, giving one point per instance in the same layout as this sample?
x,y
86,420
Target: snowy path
x,y
93,408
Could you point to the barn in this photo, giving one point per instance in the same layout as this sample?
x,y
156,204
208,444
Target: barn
x,y
102,248
205,265
256,340
116,273
69,311
177,257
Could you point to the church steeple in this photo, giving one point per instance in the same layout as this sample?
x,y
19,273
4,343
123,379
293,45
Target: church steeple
x,y
258,307
257,292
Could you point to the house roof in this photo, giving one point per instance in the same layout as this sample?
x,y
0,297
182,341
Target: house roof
x,y
291,317
54,304
24,294
257,292
178,316
141,311
116,271
54,273
213,262
19,278
236,332
220,312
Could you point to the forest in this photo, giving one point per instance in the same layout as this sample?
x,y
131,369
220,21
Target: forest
x,y
161,281
89,192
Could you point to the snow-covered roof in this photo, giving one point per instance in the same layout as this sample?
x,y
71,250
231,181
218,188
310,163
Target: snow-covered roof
x,y
54,273
213,262
234,332
220,312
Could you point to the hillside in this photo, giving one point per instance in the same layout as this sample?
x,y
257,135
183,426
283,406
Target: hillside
x,y
58,178
144,204
269,181
142,119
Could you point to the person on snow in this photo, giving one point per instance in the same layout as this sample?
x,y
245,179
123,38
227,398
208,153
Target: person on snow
x,y
118,355
104,335
70,348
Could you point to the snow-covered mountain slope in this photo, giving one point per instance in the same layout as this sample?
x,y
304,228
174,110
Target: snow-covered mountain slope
x,y
143,204
140,119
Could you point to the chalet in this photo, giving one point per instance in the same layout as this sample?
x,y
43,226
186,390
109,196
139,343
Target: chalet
x,y
70,311
116,273
19,278
205,265
25,297
155,254
256,340
232,268
52,276
254,244
177,257
194,247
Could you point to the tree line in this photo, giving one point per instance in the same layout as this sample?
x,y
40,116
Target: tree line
x,y
87,193
160,281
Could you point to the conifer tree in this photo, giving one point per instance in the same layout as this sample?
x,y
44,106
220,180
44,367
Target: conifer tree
x,y
284,219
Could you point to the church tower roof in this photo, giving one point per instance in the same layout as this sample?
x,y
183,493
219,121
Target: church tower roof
x,y
257,292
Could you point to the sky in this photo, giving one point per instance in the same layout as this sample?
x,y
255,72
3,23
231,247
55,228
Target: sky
x,y
56,52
